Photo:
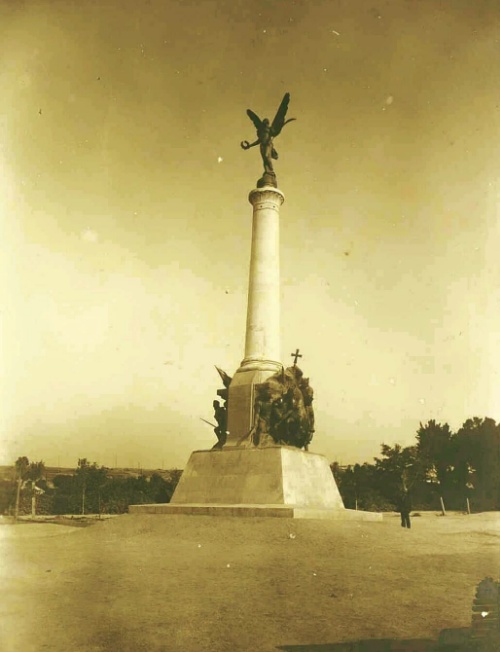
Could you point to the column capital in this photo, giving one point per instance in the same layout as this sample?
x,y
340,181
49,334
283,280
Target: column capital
x,y
266,194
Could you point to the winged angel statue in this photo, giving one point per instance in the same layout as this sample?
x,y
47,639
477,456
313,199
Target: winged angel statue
x,y
265,134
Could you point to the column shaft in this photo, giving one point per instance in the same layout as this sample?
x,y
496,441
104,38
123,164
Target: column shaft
x,y
262,340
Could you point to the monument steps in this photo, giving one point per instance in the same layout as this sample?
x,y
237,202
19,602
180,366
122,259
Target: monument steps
x,y
259,511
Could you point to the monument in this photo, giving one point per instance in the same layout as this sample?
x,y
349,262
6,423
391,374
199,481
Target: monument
x,y
261,463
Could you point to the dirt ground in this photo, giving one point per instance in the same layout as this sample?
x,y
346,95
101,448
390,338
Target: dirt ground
x,y
196,583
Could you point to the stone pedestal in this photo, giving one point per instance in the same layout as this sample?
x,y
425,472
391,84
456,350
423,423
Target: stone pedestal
x,y
262,341
275,475
273,481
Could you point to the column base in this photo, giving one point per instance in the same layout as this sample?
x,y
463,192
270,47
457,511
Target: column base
x,y
257,364
241,396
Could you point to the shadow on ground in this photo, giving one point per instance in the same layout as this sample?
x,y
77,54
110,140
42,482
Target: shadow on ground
x,y
450,640
373,645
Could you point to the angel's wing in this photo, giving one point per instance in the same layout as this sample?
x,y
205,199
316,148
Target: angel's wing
x,y
254,118
279,119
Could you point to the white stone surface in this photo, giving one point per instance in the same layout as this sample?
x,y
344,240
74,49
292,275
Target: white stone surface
x,y
275,475
308,480
252,511
262,341
262,338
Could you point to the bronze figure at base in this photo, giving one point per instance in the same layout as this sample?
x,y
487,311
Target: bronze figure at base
x,y
283,412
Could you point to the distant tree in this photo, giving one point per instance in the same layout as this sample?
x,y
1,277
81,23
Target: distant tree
x,y
34,474
398,469
435,455
338,473
159,489
172,480
116,495
434,449
22,465
67,494
91,489
64,483
98,480
450,465
7,494
90,480
121,492
81,473
477,461
357,485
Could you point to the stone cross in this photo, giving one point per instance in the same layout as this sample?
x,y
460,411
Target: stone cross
x,y
295,356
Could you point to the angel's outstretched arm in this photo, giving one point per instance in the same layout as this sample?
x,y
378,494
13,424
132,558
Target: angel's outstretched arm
x,y
246,145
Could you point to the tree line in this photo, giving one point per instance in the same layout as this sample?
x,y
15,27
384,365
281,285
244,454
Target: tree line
x,y
442,470
88,489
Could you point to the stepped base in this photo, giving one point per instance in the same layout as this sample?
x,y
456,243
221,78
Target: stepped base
x,y
279,481
245,511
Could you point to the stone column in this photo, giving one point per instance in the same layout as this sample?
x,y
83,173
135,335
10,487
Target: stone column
x,y
262,341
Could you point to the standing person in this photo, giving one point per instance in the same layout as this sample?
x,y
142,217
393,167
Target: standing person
x,y
404,508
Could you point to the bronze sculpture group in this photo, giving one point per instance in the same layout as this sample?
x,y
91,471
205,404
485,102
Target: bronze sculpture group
x,y
283,412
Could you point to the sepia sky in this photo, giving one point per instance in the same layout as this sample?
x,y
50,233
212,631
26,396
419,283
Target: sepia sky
x,y
125,222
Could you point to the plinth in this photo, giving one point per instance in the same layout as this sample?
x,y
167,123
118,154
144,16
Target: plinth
x,y
278,481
